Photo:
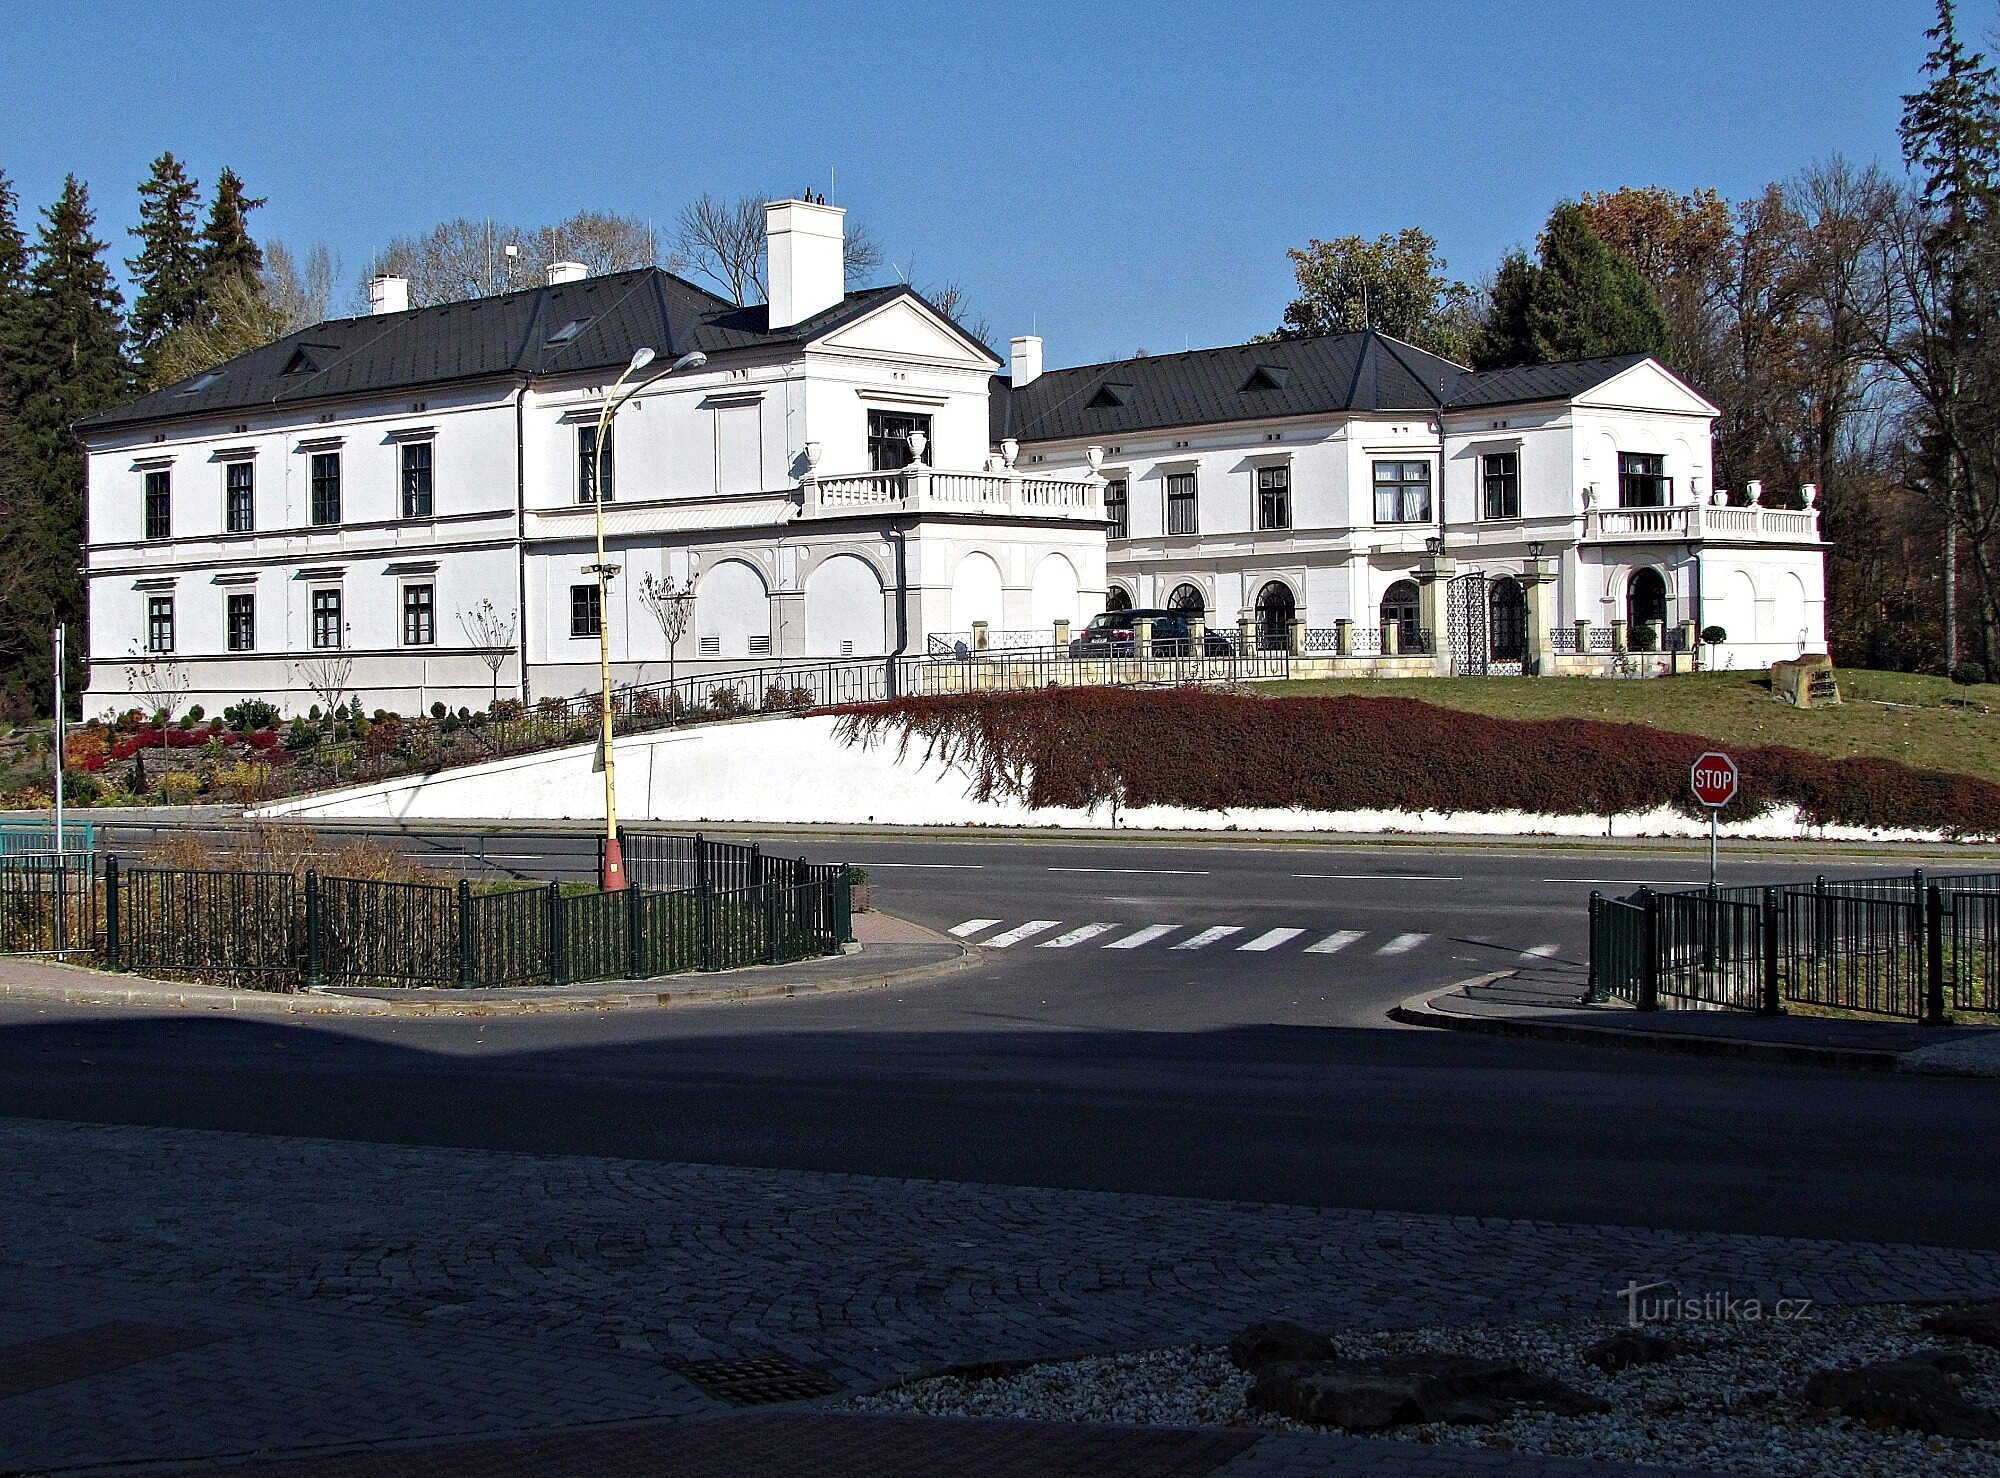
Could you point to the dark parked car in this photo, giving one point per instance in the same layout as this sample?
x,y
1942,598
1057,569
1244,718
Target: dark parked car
x,y
1110,635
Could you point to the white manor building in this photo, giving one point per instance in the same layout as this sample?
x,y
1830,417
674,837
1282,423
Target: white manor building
x,y
845,476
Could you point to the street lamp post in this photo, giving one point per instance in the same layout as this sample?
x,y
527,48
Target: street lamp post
x,y
613,879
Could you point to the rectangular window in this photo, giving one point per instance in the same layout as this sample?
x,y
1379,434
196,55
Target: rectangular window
x,y
160,623
239,512
587,464
889,439
1274,497
159,504
1402,492
419,615
1181,515
326,487
326,632
1117,509
416,479
1642,480
586,610
242,623
1500,482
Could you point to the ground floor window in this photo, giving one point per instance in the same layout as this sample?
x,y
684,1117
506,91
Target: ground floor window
x,y
1507,620
586,610
1275,611
1188,600
1115,599
242,623
160,623
1401,609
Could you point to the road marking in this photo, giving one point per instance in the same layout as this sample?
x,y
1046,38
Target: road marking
x,y
1619,882
931,866
1541,952
1402,944
1019,932
1271,940
1151,872
1334,942
1142,936
1076,936
1209,936
972,926
1380,877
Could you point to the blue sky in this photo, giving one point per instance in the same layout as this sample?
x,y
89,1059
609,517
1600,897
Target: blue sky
x,y
1116,176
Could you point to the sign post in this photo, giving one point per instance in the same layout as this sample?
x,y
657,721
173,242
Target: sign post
x,y
1713,779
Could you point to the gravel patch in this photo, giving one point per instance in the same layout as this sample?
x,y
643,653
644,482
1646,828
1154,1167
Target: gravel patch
x,y
1731,1404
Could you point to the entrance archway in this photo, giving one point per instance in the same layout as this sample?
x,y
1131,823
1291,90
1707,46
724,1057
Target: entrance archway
x,y
1645,604
1275,611
1507,620
1401,608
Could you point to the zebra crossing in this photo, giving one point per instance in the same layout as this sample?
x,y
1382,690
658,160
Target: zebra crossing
x,y
1043,934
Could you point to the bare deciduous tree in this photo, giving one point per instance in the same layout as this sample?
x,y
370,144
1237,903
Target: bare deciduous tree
x,y
723,241
490,635
328,675
462,259
162,681
672,605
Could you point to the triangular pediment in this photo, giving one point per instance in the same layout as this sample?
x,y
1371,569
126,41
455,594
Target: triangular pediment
x,y
904,328
1650,386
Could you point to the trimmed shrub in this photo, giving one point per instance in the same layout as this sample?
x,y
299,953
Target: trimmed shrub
x,y
1212,751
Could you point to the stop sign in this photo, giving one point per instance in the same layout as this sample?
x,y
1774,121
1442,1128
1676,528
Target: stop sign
x,y
1713,779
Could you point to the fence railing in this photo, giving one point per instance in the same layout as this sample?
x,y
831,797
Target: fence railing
x,y
1914,945
49,904
36,837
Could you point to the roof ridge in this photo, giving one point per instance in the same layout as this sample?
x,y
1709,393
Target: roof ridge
x,y
1395,347
301,340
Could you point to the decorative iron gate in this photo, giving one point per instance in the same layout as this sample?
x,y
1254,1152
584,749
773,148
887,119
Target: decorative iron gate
x,y
1465,613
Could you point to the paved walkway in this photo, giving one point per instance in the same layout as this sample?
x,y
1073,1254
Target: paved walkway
x,y
228,1300
890,951
1544,1001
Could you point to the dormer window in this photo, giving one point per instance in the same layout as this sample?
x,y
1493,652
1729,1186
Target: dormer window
x,y
199,383
1268,377
1113,393
569,330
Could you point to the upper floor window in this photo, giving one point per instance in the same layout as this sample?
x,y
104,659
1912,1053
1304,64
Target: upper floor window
x,y
242,622
325,477
416,479
1117,509
239,497
1500,484
419,615
1642,480
1402,492
326,623
1181,514
588,464
159,505
160,623
1274,497
586,610
889,433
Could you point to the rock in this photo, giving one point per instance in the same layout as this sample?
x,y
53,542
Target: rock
x,y
1456,1388
1630,1347
1913,1393
1333,1394
1979,1323
1272,1340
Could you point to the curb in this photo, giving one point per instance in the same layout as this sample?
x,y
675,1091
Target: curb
x,y
1419,1010
271,1003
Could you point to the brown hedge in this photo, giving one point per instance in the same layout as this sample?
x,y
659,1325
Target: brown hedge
x,y
1211,751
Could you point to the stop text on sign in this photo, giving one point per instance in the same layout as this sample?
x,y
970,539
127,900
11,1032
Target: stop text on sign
x,y
1713,779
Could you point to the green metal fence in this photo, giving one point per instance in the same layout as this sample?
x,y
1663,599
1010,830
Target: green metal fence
x,y
49,904
37,837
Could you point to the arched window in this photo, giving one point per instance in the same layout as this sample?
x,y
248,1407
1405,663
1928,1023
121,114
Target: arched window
x,y
1507,620
1188,600
1645,603
1115,599
1275,610
1400,610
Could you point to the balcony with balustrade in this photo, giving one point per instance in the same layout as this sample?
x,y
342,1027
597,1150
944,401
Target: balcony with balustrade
x,y
919,489
1703,523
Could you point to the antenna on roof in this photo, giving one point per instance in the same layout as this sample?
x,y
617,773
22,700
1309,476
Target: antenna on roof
x,y
831,187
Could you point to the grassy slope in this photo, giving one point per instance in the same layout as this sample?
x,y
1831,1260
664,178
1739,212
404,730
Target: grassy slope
x,y
1896,715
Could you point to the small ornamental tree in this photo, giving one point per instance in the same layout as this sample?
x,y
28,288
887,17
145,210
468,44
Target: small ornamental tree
x,y
672,605
491,635
162,681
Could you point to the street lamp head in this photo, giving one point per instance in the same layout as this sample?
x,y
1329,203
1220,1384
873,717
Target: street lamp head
x,y
1534,549
1434,546
693,360
641,357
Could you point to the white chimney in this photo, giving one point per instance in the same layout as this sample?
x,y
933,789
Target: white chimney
x,y
567,272
388,294
806,248
1026,354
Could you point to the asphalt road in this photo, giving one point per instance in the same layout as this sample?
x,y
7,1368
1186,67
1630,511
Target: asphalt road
x,y
1265,1073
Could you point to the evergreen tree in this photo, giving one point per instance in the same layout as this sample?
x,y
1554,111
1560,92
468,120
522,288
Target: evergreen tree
x,y
227,249
13,290
1587,300
67,352
168,269
1503,340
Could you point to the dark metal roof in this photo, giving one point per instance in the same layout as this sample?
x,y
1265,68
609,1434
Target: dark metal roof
x,y
1362,372
508,335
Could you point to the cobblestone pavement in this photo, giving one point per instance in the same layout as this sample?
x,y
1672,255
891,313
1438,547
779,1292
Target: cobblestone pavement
x,y
225,1298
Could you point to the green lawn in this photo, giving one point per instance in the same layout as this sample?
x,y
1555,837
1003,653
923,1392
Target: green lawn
x,y
1923,721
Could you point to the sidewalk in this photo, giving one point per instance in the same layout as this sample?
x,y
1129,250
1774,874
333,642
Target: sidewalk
x,y
1545,1003
888,952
